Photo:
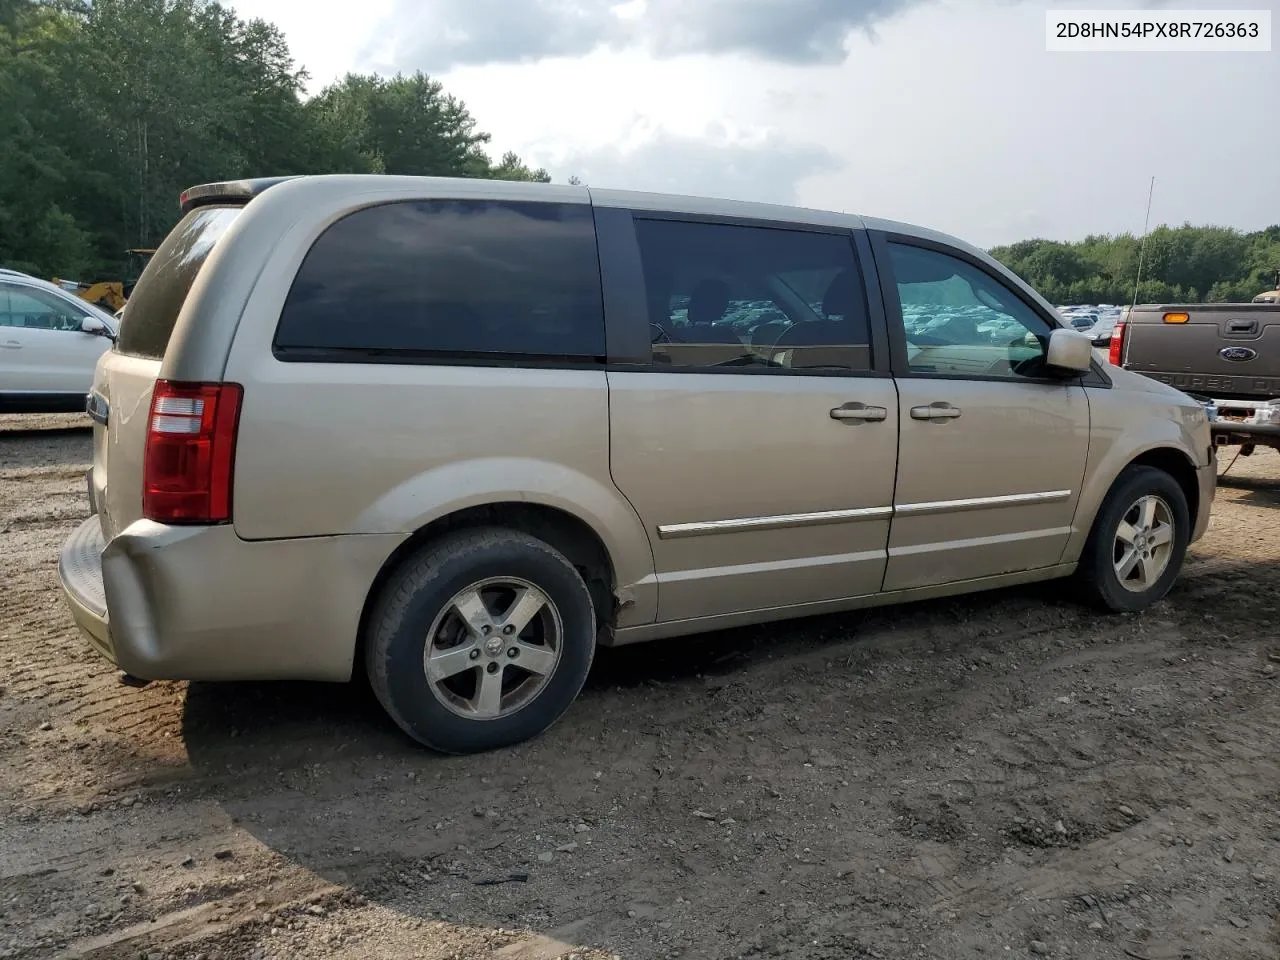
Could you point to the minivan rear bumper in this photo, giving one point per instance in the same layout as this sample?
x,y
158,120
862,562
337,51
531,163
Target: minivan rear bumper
x,y
198,603
80,574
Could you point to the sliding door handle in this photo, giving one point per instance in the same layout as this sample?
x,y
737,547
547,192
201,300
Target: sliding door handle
x,y
937,411
859,413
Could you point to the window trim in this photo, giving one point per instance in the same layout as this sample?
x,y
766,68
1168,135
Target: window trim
x,y
441,358
880,241
734,220
626,299
435,358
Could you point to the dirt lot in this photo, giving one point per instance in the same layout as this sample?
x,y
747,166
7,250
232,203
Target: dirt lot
x,y
1003,775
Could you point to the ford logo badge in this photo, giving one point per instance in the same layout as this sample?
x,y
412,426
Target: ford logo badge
x,y
1237,354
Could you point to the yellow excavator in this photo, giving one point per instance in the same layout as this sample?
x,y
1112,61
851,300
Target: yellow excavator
x,y
110,295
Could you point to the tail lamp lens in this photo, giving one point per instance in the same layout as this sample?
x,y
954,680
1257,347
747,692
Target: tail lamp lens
x,y
1116,354
190,452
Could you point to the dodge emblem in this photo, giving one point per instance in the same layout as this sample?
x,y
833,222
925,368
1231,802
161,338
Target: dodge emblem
x,y
1237,354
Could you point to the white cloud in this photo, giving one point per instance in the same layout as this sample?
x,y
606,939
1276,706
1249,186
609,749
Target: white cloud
x,y
323,36
953,115
766,169
443,34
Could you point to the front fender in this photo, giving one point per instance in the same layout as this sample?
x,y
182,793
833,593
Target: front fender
x,y
1125,425
464,484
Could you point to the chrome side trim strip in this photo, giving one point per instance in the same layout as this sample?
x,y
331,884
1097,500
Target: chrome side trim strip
x,y
768,566
673,531
970,544
982,503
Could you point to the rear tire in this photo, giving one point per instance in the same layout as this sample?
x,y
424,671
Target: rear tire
x,y
480,640
1138,542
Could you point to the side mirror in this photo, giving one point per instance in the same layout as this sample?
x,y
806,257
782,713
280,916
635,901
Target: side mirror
x,y
95,327
1069,351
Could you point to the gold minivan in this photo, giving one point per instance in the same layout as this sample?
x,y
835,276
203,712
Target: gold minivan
x,y
464,431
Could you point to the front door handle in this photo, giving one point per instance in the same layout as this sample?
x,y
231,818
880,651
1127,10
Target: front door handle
x,y
938,411
11,345
859,413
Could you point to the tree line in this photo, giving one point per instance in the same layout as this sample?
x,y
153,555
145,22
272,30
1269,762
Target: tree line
x,y
110,108
1180,265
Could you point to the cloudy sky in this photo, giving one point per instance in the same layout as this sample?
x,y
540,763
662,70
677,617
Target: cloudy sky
x,y
948,113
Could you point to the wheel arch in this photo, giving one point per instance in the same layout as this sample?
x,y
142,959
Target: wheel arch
x,y
1101,582
1178,465
567,533
1101,480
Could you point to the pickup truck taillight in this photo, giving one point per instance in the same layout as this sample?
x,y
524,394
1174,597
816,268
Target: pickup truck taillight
x,y
190,452
1116,353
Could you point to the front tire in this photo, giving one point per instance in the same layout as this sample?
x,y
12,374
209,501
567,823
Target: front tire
x,y
1139,539
480,640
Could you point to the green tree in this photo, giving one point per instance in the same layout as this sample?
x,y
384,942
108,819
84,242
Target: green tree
x,y
1184,263
511,167
36,167
110,108
405,125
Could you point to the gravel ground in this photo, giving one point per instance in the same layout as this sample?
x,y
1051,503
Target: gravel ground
x,y
1000,775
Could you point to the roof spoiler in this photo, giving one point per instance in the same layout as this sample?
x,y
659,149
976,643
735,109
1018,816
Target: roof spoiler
x,y
226,191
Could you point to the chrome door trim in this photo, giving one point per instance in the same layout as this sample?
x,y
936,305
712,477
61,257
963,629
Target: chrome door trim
x,y
672,531
982,503
1020,537
765,566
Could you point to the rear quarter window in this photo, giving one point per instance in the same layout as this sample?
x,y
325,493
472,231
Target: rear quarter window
x,y
153,307
449,278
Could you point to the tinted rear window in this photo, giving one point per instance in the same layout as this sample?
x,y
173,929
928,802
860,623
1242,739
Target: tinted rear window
x,y
155,302
753,298
452,278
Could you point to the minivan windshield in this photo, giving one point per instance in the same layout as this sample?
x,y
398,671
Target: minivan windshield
x,y
153,307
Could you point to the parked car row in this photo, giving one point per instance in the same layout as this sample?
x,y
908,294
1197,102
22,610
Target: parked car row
x,y
1098,322
50,342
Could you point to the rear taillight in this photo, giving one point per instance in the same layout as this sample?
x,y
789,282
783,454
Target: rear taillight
x,y
1116,354
191,447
